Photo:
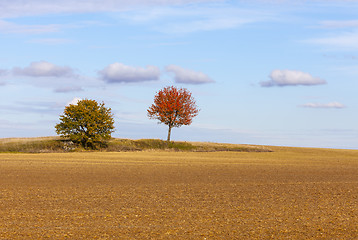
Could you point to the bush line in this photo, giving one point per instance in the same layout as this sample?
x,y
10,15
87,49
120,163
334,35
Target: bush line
x,y
57,145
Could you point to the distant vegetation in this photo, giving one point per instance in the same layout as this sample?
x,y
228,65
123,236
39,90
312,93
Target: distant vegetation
x,y
56,144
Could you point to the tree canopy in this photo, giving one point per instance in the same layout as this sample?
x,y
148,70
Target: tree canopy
x,y
87,122
174,107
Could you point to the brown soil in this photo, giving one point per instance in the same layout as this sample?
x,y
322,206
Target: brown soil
x,y
288,194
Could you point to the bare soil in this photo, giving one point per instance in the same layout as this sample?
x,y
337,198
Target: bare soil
x,y
291,193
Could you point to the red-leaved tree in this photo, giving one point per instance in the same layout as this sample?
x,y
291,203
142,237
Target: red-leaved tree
x,y
173,107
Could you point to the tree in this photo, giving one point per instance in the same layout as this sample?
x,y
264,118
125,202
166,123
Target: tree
x,y
86,122
173,107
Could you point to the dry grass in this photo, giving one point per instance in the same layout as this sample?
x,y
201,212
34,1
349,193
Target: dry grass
x,y
25,140
57,145
291,193
31,145
216,147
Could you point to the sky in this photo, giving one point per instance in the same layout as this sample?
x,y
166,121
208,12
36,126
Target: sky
x,y
262,72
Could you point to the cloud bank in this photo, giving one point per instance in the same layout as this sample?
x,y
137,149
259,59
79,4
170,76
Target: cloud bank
x,y
169,16
343,34
8,27
340,24
3,72
118,73
282,78
52,41
345,40
324,105
67,89
20,8
44,69
194,18
188,76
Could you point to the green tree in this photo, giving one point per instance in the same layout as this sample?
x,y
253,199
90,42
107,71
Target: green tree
x,y
87,123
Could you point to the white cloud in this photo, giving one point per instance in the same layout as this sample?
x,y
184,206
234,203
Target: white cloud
x,y
74,101
52,41
67,89
3,72
343,34
324,105
209,24
188,76
8,27
339,24
283,78
346,40
44,69
11,9
168,16
20,8
194,18
118,72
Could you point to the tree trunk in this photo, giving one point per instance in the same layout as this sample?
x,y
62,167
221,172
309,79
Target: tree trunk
x,y
169,132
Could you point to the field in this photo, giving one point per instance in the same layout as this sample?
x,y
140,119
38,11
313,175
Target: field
x,y
290,193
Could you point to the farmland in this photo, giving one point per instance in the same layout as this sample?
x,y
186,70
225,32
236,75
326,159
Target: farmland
x,y
290,193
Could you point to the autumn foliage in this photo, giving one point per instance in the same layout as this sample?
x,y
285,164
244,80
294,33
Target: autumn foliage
x,y
174,107
87,123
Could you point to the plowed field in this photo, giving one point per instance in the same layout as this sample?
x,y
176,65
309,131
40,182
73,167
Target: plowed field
x,y
290,193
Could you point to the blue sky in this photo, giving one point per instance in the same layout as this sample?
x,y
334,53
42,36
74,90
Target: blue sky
x,y
262,72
